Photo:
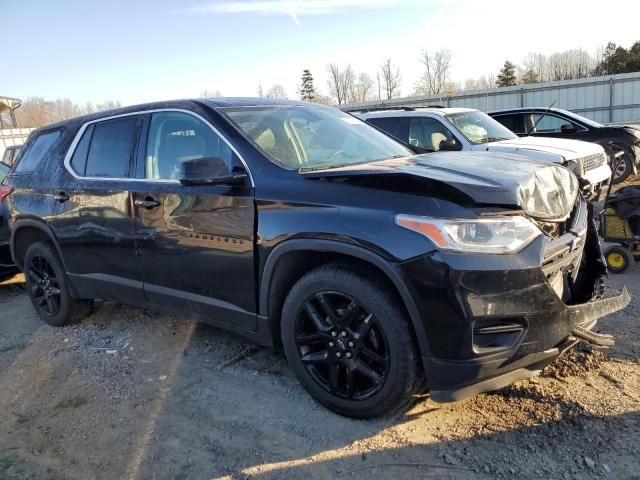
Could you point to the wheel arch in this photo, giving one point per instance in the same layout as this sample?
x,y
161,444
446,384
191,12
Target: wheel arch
x,y
25,232
307,254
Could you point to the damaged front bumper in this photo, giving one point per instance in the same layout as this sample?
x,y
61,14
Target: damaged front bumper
x,y
491,320
482,375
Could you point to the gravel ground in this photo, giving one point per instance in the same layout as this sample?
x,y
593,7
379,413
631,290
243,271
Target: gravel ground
x,y
129,394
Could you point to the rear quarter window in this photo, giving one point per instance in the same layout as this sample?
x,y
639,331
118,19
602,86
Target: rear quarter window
x,y
36,150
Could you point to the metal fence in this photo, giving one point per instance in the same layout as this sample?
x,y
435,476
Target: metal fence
x,y
608,99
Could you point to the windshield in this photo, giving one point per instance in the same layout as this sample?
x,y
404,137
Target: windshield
x,y
478,127
311,137
582,119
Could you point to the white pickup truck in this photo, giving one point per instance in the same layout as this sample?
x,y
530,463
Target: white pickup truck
x,y
437,128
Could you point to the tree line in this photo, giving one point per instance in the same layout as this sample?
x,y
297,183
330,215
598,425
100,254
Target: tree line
x,y
36,111
345,85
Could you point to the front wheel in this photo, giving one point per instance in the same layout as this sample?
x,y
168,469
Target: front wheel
x,y
349,343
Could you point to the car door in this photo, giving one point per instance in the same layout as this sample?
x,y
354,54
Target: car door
x,y
195,242
93,220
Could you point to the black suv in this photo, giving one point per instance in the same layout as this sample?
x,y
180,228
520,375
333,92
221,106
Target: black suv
x,y
303,227
556,122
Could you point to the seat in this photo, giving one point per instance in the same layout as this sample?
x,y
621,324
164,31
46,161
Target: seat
x,y
436,138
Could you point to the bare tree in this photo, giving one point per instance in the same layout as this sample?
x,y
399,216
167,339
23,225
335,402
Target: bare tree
x,y
436,75
362,89
340,82
276,91
108,105
566,65
36,111
322,99
210,93
390,80
260,91
88,108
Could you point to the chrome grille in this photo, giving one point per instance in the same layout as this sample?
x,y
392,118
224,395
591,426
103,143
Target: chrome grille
x,y
593,161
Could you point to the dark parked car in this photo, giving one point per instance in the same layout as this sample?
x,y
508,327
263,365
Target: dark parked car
x,y
556,122
7,267
301,226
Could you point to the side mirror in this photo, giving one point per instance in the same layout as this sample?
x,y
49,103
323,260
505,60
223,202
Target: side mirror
x,y
209,171
567,128
449,146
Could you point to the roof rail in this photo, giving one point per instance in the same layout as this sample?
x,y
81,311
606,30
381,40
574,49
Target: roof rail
x,y
390,107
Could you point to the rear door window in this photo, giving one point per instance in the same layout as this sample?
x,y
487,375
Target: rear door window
x,y
79,158
395,126
36,150
513,121
106,149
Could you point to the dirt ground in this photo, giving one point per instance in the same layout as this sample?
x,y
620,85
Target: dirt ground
x,y
129,394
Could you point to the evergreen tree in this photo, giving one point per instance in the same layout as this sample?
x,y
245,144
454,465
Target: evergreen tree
x,y
507,76
307,90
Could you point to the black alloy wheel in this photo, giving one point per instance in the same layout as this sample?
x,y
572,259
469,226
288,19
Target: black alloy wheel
x,y
45,287
48,287
347,338
341,345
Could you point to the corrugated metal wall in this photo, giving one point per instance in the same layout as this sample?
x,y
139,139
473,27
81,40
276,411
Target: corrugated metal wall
x,y
609,99
12,136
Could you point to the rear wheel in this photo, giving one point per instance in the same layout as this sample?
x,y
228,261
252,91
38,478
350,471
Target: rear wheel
x,y
48,287
349,343
618,258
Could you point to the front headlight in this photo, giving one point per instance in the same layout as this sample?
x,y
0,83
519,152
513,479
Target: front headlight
x,y
495,235
633,131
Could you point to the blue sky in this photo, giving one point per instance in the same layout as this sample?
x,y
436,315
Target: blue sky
x,y
146,50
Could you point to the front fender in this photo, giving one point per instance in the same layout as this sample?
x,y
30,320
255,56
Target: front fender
x,y
387,268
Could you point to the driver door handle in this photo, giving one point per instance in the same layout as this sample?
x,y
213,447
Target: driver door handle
x,y
147,203
61,197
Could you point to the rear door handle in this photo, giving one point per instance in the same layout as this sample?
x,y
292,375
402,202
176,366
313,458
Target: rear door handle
x,y
61,197
147,203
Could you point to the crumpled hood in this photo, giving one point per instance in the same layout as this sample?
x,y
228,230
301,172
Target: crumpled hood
x,y
542,190
567,149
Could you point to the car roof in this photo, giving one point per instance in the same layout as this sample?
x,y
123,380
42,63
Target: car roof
x,y
401,112
530,109
185,104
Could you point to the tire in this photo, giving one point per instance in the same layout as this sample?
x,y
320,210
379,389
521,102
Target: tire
x,y
378,355
48,287
618,258
624,169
